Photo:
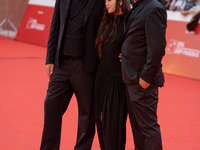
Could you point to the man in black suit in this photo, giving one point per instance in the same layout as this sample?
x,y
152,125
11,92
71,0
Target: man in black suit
x,y
71,63
142,52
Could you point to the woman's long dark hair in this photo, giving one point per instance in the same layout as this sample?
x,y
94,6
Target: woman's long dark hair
x,y
107,21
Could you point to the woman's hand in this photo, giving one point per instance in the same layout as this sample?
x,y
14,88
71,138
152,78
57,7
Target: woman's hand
x,y
120,56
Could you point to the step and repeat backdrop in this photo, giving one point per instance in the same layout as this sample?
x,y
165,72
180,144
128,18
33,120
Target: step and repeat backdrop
x,y
182,51
35,25
183,48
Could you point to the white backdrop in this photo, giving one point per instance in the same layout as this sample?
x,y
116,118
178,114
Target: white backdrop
x,y
48,3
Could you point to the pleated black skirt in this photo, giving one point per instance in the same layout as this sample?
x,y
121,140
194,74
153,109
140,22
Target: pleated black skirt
x,y
110,112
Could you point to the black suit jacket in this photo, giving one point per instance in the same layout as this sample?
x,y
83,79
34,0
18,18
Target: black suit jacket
x,y
93,15
144,43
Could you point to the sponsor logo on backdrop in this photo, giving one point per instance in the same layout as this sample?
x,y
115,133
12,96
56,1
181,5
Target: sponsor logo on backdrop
x,y
34,25
178,47
40,12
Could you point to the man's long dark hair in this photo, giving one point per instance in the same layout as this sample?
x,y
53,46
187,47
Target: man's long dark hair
x,y
107,21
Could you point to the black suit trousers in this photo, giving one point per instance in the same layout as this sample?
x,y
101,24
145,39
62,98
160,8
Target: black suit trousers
x,y
142,109
69,78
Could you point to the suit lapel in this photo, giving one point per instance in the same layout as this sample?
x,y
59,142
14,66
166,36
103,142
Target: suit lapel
x,y
79,7
132,15
65,4
89,9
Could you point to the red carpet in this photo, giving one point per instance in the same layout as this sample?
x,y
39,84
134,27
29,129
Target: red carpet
x,y
23,84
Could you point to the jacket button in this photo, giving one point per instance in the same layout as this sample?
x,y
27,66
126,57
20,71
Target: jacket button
x,y
66,35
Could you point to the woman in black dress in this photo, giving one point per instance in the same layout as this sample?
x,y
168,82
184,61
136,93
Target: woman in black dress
x,y
109,92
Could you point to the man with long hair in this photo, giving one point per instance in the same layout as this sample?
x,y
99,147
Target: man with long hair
x,y
71,63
